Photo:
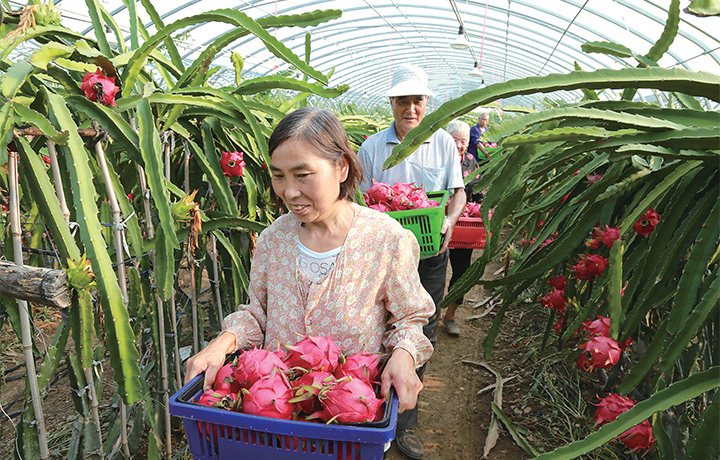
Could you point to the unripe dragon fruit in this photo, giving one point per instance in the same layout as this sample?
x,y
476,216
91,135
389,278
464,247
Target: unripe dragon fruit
x,y
225,379
313,353
254,364
380,192
349,401
270,397
307,387
365,366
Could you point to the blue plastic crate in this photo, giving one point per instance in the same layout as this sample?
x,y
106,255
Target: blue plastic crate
x,y
225,435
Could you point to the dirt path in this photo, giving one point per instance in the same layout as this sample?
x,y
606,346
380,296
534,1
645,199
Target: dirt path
x,y
453,419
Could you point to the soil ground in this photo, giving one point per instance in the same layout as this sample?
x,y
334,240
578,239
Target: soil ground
x,y
453,417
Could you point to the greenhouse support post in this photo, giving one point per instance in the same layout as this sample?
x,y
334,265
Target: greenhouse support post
x,y
23,306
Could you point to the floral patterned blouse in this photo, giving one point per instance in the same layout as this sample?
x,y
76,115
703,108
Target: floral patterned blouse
x,y
371,301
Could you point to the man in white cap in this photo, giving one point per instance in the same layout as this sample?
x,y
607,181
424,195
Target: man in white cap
x,y
434,166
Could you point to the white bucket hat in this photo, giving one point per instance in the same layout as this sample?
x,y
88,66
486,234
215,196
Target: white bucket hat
x,y
409,80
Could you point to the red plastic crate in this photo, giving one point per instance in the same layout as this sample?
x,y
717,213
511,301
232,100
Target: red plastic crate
x,y
469,233
215,434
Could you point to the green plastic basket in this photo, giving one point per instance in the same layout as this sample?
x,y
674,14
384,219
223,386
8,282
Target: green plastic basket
x,y
425,223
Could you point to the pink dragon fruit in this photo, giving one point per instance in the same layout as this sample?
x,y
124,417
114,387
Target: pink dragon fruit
x,y
382,207
307,387
401,203
232,163
599,327
349,401
401,188
254,364
270,397
380,192
314,352
604,353
225,379
610,407
365,366
222,399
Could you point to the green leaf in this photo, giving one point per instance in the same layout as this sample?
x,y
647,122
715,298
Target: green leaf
x,y
703,8
168,41
49,52
702,443
616,280
675,394
7,121
43,124
153,164
669,32
701,84
610,48
260,84
15,78
238,63
94,10
240,277
519,439
663,444
124,357
232,17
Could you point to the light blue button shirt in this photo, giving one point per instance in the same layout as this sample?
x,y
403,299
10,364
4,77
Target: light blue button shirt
x,y
434,165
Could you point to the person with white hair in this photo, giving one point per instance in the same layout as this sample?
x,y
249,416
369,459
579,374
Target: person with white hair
x,y
433,166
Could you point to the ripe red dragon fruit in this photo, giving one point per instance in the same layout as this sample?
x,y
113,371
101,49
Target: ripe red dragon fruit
x,y
270,397
99,88
401,203
382,207
401,188
638,437
232,163
349,401
599,327
222,399
314,352
604,353
365,366
225,379
610,407
380,192
307,387
254,364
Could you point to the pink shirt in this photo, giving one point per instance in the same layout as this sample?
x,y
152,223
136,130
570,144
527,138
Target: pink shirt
x,y
371,300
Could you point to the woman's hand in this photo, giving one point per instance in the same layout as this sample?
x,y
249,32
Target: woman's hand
x,y
400,373
210,359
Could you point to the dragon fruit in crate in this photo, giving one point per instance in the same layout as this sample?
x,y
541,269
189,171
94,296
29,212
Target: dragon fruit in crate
x,y
349,400
270,397
380,192
256,363
225,379
400,196
365,366
314,352
307,387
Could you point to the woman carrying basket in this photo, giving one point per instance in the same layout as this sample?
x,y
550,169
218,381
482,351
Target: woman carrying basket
x,y
329,266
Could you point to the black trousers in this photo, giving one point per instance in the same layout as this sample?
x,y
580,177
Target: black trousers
x,y
459,261
432,273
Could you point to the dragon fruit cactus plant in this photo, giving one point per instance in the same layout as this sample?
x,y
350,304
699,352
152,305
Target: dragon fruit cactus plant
x,y
314,352
270,397
349,400
255,364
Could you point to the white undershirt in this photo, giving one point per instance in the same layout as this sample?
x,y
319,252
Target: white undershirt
x,y
316,265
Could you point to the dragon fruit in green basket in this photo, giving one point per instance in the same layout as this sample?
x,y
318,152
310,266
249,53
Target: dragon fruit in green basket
x,y
400,196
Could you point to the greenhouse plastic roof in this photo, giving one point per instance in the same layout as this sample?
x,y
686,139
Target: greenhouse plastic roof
x,y
510,39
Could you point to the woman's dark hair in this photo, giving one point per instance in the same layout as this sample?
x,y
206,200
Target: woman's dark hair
x,y
321,129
